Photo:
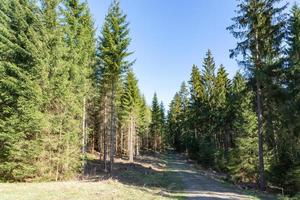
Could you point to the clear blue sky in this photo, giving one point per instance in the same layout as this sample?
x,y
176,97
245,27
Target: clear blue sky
x,y
169,36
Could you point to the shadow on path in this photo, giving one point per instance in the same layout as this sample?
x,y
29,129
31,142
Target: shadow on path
x,y
171,174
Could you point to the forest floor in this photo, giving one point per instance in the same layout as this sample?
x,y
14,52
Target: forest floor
x,y
152,176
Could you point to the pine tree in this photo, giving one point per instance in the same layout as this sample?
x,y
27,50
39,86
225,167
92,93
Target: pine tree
x,y
80,39
196,106
130,111
162,125
209,82
113,51
174,126
155,123
144,122
294,62
221,94
259,29
243,162
21,74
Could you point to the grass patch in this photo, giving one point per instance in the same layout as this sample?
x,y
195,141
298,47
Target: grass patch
x,y
76,190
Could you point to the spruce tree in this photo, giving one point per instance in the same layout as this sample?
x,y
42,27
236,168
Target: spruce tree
x,y
144,122
21,79
130,110
155,123
221,94
195,115
243,162
162,125
259,30
113,51
80,39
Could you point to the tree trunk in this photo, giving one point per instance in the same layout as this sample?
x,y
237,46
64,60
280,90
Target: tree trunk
x,y
130,141
262,184
112,126
84,135
121,141
105,135
137,152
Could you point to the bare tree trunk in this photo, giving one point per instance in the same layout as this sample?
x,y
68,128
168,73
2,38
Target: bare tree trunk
x,y
262,184
105,135
130,141
112,126
121,142
155,140
147,140
137,153
84,134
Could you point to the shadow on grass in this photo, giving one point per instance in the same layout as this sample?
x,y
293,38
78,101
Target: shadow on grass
x,y
149,173
164,173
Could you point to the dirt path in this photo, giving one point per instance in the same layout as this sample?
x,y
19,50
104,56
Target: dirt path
x,y
198,186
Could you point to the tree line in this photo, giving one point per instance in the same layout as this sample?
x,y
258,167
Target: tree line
x,y
247,126
64,93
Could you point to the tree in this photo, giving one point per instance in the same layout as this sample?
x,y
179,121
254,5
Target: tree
x,y
196,114
221,107
259,29
130,111
21,85
243,159
113,51
80,39
155,123
144,122
162,124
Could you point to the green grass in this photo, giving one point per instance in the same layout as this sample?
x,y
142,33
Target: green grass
x,y
134,184
76,190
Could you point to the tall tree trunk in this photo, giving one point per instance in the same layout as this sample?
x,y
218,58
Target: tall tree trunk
x,y
112,126
137,150
121,142
262,184
84,134
130,141
105,134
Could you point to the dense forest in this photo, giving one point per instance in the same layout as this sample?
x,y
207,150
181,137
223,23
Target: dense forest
x,y
65,93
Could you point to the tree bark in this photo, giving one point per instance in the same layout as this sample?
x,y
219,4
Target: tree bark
x,y
130,141
112,126
105,134
262,184
84,134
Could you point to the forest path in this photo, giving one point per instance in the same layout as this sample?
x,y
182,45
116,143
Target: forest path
x,y
199,186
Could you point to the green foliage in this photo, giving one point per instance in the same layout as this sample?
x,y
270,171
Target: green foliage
x,y
20,88
243,160
42,88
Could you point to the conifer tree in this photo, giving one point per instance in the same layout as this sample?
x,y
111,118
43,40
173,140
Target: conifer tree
x,y
209,82
221,94
21,75
80,40
259,29
174,126
113,51
144,122
196,106
243,162
162,125
130,111
155,123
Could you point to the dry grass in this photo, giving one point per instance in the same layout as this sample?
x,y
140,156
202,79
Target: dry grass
x,y
79,190
147,178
